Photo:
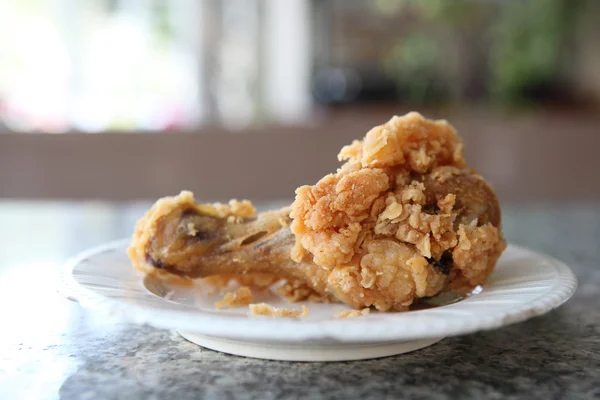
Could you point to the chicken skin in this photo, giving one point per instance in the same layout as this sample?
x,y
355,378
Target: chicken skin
x,y
404,218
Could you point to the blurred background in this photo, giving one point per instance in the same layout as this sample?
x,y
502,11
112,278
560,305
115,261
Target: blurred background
x,y
157,65
125,100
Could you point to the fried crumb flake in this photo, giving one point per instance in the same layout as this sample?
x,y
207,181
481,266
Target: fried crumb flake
x,y
241,297
295,291
270,311
352,313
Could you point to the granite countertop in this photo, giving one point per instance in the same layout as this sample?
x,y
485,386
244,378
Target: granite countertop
x,y
51,348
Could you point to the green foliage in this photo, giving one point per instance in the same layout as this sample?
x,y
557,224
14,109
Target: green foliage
x,y
412,63
527,40
523,41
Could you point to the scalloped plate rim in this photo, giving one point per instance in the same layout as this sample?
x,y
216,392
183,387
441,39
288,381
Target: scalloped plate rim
x,y
382,327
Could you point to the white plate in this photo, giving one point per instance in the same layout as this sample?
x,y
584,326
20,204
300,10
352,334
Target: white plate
x,y
524,284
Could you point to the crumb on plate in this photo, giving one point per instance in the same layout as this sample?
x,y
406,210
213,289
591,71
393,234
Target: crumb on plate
x,y
241,297
352,313
268,310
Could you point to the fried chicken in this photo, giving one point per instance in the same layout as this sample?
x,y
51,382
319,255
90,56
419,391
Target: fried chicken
x,y
404,218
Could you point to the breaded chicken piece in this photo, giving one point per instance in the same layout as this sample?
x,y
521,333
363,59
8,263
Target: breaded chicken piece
x,y
402,219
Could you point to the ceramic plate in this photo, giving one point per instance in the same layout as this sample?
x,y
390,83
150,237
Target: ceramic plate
x,y
524,284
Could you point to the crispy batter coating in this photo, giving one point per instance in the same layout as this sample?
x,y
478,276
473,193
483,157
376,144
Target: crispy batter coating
x,y
402,219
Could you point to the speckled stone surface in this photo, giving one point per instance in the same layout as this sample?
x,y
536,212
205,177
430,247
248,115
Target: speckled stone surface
x,y
53,349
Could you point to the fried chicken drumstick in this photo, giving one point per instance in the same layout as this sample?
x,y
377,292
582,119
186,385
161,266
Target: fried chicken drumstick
x,y
402,219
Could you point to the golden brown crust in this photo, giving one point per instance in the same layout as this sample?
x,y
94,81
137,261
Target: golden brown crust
x,y
327,216
412,141
402,219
